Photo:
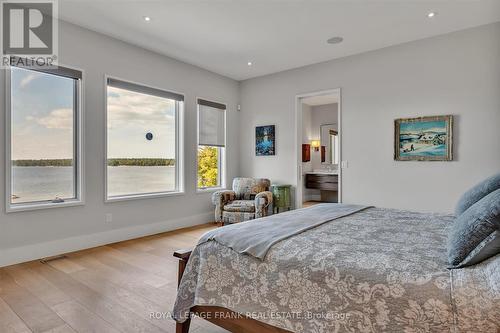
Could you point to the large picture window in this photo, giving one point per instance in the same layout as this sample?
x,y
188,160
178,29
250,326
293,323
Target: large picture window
x,y
142,141
44,137
211,144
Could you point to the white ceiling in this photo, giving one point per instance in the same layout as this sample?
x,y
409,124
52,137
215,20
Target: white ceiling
x,y
320,100
222,36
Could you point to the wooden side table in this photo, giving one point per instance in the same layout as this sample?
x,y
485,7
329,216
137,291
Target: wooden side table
x,y
282,197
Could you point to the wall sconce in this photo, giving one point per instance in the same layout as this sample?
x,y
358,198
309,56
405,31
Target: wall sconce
x,y
315,144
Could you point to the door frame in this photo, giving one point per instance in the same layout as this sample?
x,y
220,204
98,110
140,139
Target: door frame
x,y
298,141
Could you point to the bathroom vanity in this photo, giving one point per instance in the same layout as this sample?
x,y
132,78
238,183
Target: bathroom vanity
x,y
322,181
325,183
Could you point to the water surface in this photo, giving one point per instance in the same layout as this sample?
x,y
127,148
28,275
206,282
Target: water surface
x,y
46,183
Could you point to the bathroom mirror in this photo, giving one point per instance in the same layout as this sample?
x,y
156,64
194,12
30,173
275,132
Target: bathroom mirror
x,y
329,144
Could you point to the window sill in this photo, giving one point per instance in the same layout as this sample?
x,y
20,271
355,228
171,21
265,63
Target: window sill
x,y
209,190
143,196
13,208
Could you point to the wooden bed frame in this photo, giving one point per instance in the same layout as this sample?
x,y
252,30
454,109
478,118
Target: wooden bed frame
x,y
230,320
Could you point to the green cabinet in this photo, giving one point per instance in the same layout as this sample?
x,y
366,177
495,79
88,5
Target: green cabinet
x,y
281,197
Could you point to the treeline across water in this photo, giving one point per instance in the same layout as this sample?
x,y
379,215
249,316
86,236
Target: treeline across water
x,y
111,162
141,162
43,163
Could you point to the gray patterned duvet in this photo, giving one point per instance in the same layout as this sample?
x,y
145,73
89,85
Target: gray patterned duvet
x,y
378,270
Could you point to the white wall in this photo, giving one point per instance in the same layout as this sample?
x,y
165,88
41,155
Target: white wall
x,y
312,118
35,234
307,136
320,115
457,74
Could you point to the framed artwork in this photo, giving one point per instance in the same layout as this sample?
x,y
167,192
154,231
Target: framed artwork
x,y
423,139
265,140
306,152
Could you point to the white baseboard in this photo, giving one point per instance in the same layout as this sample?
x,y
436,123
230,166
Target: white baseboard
x,y
48,249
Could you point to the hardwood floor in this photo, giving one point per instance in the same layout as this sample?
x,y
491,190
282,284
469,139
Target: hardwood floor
x,y
112,288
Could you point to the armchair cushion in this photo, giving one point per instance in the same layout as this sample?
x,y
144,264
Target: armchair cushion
x,y
236,217
240,206
248,188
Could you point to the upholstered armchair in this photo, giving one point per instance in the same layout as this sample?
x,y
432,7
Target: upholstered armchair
x,y
249,199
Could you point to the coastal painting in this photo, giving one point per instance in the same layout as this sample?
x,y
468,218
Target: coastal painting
x,y
424,139
265,140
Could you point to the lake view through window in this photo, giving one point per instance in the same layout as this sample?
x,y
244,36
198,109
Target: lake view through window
x,y
43,140
142,141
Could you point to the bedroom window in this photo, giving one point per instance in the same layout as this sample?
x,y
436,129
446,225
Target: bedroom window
x,y
143,140
44,137
211,144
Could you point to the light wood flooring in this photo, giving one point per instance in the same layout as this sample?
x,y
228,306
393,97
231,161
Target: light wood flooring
x,y
111,288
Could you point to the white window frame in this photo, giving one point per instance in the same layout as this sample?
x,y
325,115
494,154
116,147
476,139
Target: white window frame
x,y
79,149
179,148
221,152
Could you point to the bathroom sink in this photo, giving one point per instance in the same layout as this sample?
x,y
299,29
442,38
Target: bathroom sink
x,y
324,172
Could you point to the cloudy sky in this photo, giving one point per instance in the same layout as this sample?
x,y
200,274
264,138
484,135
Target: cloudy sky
x,y
423,126
42,120
42,116
131,116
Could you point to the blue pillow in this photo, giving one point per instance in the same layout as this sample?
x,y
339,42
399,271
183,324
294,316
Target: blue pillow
x,y
476,193
475,235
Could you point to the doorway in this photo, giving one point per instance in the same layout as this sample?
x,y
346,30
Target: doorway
x,y
318,147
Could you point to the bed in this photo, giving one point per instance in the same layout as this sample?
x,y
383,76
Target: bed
x,y
375,270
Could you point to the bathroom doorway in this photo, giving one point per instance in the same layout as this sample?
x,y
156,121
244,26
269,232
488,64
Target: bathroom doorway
x,y
319,133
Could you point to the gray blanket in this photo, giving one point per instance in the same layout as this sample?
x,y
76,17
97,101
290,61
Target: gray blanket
x,y
256,237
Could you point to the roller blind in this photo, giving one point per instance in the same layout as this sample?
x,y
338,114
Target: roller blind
x,y
211,124
29,64
144,90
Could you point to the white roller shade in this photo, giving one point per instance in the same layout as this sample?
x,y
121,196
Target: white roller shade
x,y
144,90
211,124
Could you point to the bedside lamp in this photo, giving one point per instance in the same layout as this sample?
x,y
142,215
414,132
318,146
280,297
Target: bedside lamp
x,y
315,144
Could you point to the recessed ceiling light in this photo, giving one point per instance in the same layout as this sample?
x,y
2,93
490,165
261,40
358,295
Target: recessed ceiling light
x,y
249,63
335,40
147,18
431,14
